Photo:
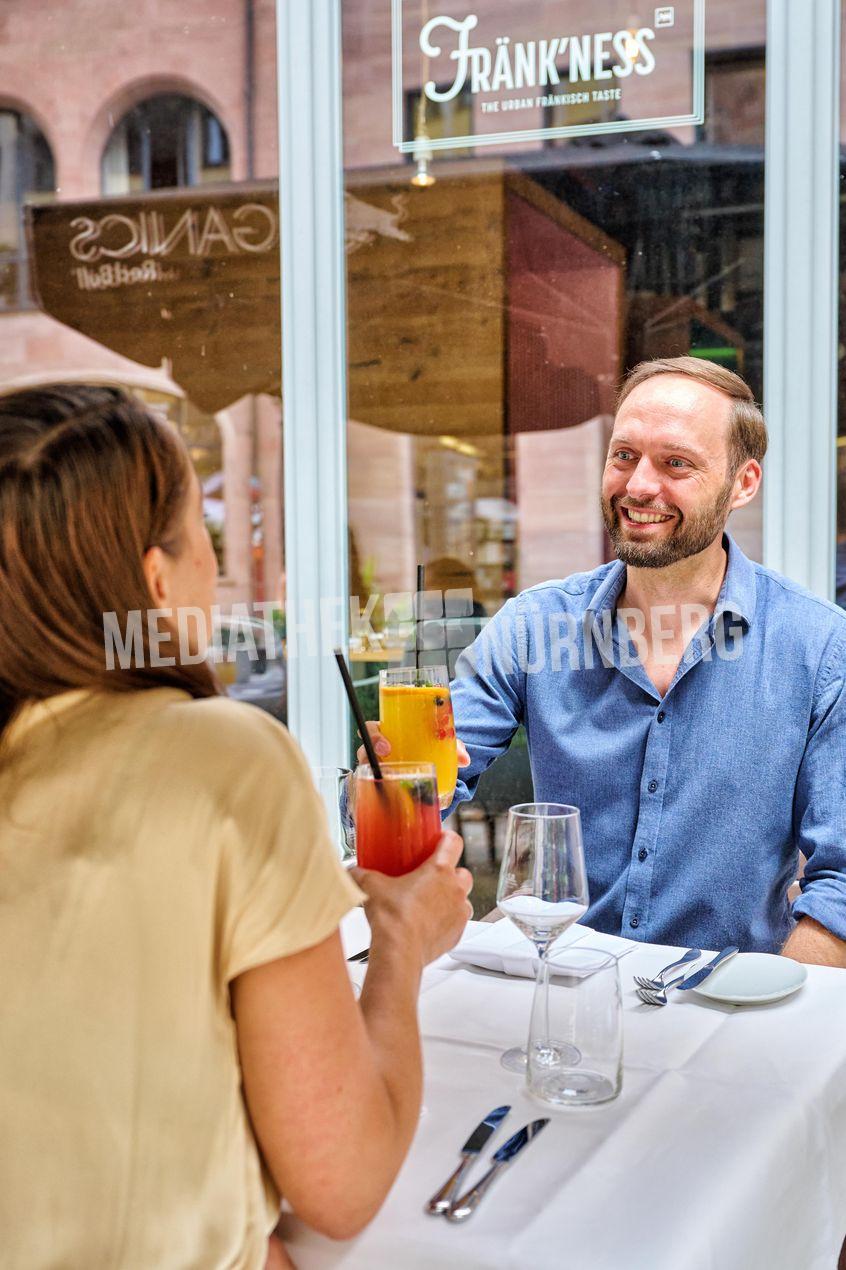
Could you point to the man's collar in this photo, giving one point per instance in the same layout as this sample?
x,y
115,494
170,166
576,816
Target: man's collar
x,y
608,592
737,594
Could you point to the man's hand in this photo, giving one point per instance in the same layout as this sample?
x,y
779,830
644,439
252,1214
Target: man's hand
x,y
383,747
812,944
425,910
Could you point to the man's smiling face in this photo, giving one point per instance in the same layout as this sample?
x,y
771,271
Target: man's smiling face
x,y
667,489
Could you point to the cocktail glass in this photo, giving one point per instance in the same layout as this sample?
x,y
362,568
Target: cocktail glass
x,y
415,715
397,819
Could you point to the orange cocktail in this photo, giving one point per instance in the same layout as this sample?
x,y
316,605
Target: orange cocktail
x,y
397,821
415,714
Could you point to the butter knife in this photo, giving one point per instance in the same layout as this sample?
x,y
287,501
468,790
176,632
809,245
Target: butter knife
x,y
699,976
468,1203
441,1200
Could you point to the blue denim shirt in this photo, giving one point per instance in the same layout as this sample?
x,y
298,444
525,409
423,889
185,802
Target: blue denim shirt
x,y
695,806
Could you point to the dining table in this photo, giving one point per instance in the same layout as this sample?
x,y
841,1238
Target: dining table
x,y
725,1150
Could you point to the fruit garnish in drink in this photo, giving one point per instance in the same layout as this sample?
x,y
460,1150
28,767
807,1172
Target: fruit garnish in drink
x,y
444,722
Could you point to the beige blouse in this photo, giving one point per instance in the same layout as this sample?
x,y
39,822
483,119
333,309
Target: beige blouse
x,y
152,848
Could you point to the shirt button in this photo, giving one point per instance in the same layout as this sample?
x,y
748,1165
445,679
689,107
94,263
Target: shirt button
x,y
642,854
634,923
661,716
652,786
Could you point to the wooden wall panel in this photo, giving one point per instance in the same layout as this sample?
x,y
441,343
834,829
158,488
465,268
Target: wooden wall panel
x,y
426,306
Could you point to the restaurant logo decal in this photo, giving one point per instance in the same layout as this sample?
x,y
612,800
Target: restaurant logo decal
x,y
633,71
153,235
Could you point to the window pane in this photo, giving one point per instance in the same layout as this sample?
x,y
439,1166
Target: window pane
x,y
494,306
158,269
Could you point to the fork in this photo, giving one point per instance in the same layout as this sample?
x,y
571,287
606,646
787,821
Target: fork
x,y
684,981
658,996
656,984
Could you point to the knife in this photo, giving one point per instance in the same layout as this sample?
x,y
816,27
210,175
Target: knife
x,y
468,1203
441,1200
699,976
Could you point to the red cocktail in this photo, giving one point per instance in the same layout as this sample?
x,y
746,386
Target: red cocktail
x,y
397,819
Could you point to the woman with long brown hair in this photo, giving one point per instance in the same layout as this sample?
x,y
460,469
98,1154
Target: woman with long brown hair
x,y
179,1042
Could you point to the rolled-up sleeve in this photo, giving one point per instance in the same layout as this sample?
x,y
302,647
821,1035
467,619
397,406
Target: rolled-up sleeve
x,y
820,803
487,695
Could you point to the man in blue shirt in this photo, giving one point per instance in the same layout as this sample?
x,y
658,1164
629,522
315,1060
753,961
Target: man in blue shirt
x,y
690,702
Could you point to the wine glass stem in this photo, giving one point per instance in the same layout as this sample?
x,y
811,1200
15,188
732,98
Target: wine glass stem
x,y
542,986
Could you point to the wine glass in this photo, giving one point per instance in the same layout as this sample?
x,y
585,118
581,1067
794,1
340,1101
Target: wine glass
x,y
542,883
336,789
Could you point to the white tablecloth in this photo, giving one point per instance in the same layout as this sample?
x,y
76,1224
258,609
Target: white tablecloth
x,y
725,1151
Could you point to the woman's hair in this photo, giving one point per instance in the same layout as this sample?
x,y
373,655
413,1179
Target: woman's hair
x,y
89,481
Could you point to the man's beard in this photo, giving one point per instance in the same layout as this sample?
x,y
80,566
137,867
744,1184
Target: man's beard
x,y
690,534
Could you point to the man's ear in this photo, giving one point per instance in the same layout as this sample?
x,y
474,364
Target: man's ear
x,y
746,484
156,571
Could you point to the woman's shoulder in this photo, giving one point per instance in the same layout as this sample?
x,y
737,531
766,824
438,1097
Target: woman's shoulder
x,y
225,727
232,755
222,713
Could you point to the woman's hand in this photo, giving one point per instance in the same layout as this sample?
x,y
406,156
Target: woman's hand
x,y
383,747
425,910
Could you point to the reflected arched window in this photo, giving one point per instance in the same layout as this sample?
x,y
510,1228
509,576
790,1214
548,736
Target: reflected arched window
x,y
27,174
165,142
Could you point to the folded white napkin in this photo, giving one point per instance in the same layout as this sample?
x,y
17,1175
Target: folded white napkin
x,y
355,932
499,946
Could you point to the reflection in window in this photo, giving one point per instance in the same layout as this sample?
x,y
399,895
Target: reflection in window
x,y
26,174
692,227
165,142
432,120
491,318
201,434
584,110
734,97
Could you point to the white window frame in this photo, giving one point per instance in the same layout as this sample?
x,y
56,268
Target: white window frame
x,y
314,371
801,230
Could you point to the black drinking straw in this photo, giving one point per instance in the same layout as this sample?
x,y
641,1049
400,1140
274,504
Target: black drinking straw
x,y
421,587
355,706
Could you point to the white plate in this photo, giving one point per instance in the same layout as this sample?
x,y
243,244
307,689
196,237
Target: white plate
x,y
753,978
